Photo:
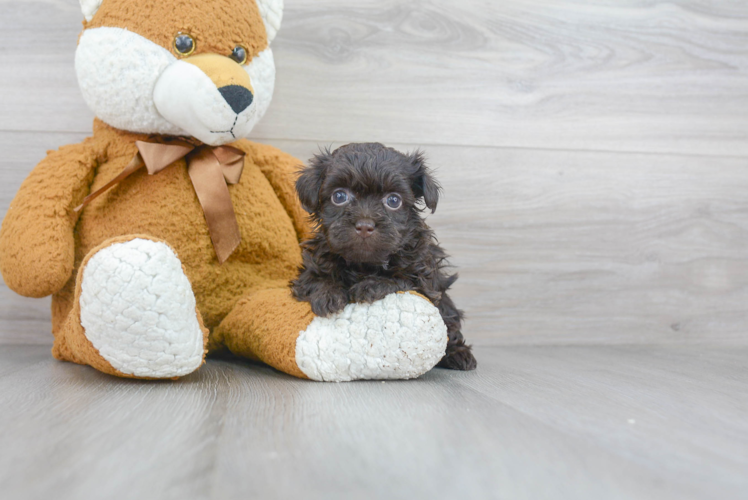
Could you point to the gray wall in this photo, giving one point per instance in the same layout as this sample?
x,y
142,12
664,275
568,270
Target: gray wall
x,y
594,158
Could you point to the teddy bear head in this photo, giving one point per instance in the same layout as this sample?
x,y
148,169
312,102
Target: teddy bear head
x,y
202,69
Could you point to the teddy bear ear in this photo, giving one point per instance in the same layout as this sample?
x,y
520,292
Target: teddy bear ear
x,y
272,14
89,8
270,10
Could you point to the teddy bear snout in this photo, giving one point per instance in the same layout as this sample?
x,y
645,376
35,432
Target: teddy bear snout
x,y
210,97
238,97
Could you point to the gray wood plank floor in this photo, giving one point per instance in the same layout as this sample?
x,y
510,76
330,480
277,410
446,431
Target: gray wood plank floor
x,y
595,164
533,422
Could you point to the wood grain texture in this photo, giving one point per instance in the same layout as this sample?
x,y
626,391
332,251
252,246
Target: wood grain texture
x,y
551,246
594,163
532,422
591,247
620,76
561,245
634,75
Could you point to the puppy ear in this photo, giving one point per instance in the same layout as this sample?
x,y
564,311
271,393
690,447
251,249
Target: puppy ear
x,y
423,183
310,180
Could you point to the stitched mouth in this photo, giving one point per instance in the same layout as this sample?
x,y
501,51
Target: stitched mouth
x,y
230,131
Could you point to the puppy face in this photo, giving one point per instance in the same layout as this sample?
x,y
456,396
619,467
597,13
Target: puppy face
x,y
364,198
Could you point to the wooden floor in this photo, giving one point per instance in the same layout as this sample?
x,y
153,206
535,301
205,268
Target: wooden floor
x,y
540,422
595,163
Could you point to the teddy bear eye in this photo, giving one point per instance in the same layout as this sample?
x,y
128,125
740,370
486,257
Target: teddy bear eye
x,y
340,197
239,54
184,44
393,201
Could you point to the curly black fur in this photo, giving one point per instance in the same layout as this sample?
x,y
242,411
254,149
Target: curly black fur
x,y
400,252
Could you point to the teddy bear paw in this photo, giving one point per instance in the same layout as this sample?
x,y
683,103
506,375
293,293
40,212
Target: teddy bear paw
x,y
399,337
138,310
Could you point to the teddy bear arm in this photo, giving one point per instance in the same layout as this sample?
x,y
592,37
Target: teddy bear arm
x,y
281,171
37,244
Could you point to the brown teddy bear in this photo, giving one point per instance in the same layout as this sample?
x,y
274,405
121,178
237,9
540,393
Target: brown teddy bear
x,y
167,235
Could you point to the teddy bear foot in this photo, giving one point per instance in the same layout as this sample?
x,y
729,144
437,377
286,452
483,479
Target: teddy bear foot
x,y
138,310
399,337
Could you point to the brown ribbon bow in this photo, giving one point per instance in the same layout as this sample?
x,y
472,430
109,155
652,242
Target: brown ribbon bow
x,y
211,169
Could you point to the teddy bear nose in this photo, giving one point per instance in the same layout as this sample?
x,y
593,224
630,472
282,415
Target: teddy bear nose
x,y
365,228
238,97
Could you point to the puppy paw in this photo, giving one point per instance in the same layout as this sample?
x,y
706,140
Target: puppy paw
x,y
458,357
372,289
328,301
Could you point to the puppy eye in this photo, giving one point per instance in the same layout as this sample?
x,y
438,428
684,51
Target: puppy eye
x,y
239,54
393,201
340,197
184,44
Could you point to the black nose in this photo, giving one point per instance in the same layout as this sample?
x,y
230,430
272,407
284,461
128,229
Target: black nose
x,y
238,97
365,228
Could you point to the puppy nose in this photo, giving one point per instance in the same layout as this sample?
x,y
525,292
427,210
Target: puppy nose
x,y
238,97
365,228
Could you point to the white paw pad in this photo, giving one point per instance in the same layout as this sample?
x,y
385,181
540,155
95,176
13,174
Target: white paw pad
x,y
138,310
399,337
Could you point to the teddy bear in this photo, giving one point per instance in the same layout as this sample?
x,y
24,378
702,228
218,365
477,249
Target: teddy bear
x,y
167,235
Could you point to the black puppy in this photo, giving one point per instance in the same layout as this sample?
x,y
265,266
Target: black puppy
x,y
370,240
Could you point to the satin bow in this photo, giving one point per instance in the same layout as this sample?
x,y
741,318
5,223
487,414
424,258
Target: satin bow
x,y
211,169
